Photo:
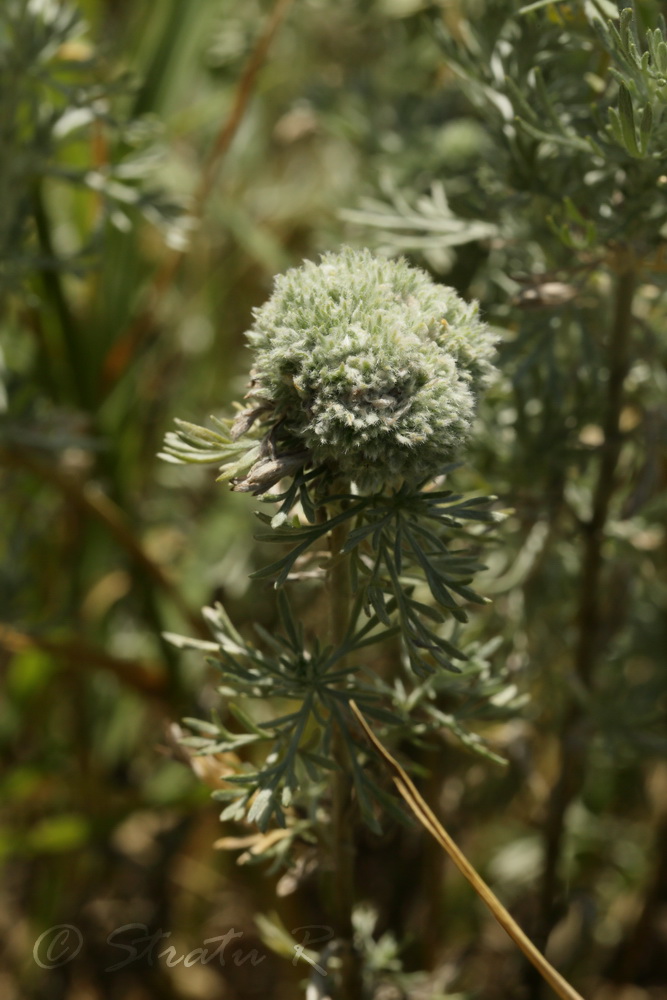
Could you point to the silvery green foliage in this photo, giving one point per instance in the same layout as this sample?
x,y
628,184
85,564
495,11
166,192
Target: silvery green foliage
x,y
364,384
368,366
317,683
563,91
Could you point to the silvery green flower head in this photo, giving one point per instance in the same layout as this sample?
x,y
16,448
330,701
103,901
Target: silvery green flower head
x,y
367,367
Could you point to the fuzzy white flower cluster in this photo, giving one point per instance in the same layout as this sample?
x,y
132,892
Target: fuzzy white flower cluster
x,y
369,366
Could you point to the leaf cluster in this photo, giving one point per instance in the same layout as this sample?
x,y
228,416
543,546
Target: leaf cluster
x,y
573,110
56,95
194,444
315,683
395,544
412,538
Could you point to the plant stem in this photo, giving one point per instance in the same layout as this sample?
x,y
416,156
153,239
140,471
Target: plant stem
x,y
342,834
574,732
72,359
340,597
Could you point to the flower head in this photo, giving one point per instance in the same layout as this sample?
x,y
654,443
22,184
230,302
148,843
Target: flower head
x,y
368,366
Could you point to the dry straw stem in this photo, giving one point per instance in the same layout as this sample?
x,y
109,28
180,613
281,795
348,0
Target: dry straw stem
x,y
431,823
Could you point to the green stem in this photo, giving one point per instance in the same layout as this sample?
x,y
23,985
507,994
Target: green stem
x,y
76,378
340,599
342,817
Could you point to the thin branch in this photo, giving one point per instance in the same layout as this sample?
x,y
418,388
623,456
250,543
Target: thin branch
x,y
590,609
342,826
76,376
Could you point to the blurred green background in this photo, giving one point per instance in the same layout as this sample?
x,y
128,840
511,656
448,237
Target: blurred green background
x,y
118,315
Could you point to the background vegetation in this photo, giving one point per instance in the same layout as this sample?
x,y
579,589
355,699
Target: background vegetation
x,y
158,165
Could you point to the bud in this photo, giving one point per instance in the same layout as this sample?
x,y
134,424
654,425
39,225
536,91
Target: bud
x,y
369,366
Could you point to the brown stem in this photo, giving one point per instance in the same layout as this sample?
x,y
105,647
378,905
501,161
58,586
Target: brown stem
x,y
574,732
590,607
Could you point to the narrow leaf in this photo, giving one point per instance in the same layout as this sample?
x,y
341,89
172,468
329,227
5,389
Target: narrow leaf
x,y
627,121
